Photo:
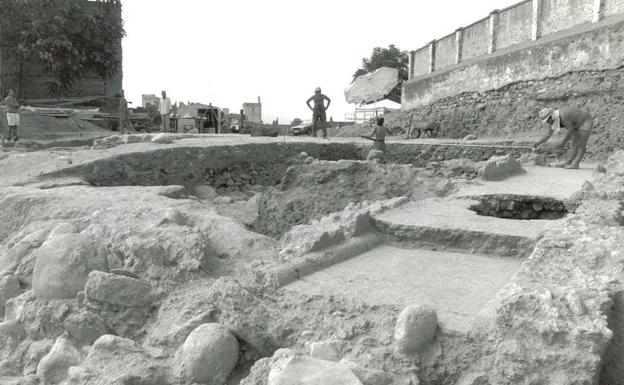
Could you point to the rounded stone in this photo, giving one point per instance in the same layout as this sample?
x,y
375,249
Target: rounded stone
x,y
209,354
163,139
415,328
54,365
62,265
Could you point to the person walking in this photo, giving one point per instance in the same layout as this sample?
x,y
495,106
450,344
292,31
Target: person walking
x,y
319,115
578,124
13,118
165,111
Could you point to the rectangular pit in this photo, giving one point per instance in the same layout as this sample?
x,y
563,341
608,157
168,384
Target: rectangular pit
x,y
457,285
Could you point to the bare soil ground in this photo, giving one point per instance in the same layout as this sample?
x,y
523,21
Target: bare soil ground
x,y
204,264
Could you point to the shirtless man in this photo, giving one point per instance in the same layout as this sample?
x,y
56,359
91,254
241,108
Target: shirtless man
x,y
379,135
319,118
578,124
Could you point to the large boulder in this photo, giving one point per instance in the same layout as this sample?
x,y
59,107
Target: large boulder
x,y
500,167
117,289
415,329
209,354
62,265
54,365
243,313
301,370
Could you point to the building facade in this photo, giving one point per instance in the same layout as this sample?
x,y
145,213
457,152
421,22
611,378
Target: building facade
x,y
253,111
150,100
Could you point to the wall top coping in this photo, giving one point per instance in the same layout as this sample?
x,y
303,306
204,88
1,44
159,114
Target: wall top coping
x,y
515,6
449,36
485,19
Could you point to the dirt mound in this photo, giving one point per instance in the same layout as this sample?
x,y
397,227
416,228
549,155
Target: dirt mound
x,y
312,191
35,127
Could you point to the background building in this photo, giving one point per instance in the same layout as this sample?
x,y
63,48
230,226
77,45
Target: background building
x,y
150,99
253,111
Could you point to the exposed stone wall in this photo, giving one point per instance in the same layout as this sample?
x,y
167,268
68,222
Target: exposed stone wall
x,y
512,111
514,25
600,47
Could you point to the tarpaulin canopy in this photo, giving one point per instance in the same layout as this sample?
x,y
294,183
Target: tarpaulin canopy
x,y
372,86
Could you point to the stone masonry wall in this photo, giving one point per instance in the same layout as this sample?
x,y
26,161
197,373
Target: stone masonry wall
x,y
528,40
598,48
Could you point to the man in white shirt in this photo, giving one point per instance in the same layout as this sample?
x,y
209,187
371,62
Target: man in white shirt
x,y
165,111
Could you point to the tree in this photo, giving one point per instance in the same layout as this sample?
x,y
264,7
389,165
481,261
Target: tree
x,y
387,57
296,122
65,37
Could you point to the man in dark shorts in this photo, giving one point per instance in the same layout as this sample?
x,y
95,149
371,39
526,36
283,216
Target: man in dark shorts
x,y
579,126
319,117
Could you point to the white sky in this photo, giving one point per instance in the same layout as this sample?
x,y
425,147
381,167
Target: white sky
x,y
228,52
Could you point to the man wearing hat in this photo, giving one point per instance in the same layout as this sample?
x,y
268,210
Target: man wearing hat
x,y
578,124
319,118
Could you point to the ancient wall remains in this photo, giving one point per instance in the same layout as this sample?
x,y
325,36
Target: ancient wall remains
x,y
529,40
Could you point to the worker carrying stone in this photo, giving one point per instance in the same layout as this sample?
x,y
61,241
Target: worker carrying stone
x,y
378,135
578,124
319,117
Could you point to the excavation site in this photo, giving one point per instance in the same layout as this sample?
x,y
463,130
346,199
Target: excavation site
x,y
181,259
